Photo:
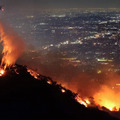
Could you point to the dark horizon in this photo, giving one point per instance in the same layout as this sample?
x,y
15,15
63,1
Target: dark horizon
x,y
34,4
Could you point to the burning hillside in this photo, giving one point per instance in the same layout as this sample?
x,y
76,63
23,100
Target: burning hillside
x,y
21,79
13,45
25,96
103,87
102,100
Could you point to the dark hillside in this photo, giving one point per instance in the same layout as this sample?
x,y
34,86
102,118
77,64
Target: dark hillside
x,y
24,97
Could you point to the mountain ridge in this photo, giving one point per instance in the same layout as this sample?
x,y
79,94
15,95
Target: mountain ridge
x,y
26,97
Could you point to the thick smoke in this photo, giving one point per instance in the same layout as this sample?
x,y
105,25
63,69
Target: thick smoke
x,y
13,45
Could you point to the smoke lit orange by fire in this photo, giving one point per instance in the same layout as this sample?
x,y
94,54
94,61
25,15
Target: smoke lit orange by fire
x,y
13,45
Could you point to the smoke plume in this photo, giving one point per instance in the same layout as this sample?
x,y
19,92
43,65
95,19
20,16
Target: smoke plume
x,y
13,45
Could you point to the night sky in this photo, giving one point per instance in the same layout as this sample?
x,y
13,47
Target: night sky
x,y
61,3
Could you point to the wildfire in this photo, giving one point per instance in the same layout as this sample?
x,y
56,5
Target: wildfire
x,y
87,101
49,82
13,45
84,102
33,73
108,98
2,72
63,90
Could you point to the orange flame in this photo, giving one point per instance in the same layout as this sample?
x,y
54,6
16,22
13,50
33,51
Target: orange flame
x,y
108,98
13,45
49,82
63,90
84,102
33,73
87,101
2,72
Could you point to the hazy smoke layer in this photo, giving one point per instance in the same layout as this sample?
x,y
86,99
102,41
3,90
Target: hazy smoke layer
x,y
61,71
13,45
85,83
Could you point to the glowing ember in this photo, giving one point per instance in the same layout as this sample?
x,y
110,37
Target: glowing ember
x,y
49,82
63,90
2,72
33,73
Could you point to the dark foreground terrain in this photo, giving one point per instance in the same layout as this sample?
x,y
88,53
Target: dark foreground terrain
x,y
24,97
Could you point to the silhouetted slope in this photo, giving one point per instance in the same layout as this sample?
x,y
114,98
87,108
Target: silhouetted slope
x,y
24,97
